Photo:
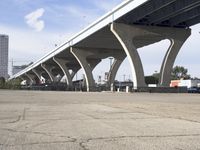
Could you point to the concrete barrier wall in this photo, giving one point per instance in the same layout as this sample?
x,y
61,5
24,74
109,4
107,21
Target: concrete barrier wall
x,y
162,89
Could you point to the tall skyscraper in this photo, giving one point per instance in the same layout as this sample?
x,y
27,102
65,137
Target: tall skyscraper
x,y
4,56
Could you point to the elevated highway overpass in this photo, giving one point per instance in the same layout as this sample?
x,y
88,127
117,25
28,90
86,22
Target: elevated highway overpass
x,y
119,33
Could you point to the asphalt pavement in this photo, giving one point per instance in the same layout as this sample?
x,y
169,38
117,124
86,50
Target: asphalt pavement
x,y
38,120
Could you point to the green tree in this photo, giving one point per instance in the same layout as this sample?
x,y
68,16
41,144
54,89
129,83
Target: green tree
x,y
179,72
14,84
151,80
2,82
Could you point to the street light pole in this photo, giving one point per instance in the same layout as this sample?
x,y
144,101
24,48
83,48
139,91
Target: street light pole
x,y
111,58
76,76
155,75
124,77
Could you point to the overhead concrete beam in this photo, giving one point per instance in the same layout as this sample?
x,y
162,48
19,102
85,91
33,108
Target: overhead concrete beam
x,y
125,34
193,13
173,9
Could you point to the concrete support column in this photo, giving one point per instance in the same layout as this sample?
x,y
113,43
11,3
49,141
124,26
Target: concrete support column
x,y
81,57
133,36
24,77
125,34
74,72
37,74
62,64
171,54
48,71
113,71
31,78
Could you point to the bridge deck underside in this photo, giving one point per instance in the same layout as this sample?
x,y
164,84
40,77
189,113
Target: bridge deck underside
x,y
171,13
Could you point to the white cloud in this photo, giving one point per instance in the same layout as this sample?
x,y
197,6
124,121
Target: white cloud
x,y
32,19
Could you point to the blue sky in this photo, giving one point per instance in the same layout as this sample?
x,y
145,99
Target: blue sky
x,y
57,14
35,26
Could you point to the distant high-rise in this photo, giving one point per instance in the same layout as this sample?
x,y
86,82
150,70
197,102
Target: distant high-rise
x,y
16,69
4,56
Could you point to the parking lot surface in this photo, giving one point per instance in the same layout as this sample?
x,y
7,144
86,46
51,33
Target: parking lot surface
x,y
38,120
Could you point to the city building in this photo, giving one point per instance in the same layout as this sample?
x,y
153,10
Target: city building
x,y
16,69
4,56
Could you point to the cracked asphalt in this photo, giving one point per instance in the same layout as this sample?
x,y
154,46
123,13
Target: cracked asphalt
x,y
35,120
